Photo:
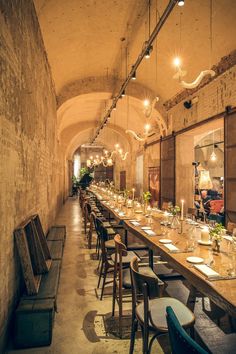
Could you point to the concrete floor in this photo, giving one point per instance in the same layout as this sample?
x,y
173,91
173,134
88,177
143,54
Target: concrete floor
x,y
79,324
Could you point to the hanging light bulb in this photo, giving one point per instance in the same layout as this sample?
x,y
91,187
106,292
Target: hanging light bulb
x,y
147,128
123,93
146,102
180,2
213,156
114,108
177,62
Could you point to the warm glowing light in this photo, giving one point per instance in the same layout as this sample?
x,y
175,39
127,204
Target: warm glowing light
x,y
177,61
146,102
97,156
117,146
147,127
213,156
91,157
120,151
109,162
105,152
180,2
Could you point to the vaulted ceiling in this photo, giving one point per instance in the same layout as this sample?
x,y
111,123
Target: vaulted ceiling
x,y
92,44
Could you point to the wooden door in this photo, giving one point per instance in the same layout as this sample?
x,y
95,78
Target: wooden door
x,y
109,173
230,167
167,175
122,180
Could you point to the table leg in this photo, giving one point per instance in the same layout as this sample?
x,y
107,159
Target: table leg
x,y
150,252
126,238
192,298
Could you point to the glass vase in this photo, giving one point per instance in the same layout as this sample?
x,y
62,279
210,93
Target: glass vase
x,y
175,224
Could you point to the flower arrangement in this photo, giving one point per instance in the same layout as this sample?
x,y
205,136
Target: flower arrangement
x,y
146,196
216,232
174,210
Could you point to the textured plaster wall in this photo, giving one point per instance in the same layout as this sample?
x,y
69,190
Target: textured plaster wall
x,y
29,170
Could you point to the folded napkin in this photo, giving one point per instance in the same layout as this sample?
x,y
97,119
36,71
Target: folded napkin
x,y
228,238
121,213
116,210
146,228
135,223
170,247
204,269
150,232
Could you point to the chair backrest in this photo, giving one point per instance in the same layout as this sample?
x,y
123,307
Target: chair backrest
x,y
139,279
216,205
192,211
165,206
120,251
102,234
180,341
231,226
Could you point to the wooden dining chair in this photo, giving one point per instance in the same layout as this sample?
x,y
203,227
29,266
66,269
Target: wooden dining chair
x,y
121,277
231,226
165,206
149,309
180,341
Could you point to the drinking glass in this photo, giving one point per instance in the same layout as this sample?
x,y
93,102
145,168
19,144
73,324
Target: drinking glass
x,y
232,258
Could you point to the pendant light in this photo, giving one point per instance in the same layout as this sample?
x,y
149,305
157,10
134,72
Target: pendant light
x,y
213,156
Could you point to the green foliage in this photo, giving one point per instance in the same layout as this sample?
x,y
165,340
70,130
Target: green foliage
x,y
74,179
126,193
147,196
83,171
174,210
216,232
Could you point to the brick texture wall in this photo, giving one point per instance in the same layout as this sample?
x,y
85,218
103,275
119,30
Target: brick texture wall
x,y
212,99
30,181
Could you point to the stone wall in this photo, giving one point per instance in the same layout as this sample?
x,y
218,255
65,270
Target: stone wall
x,y
29,168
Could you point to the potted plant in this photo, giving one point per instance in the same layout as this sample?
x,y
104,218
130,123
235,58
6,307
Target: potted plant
x,y
216,234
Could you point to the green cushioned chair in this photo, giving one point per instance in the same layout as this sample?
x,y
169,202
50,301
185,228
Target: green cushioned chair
x,y
180,341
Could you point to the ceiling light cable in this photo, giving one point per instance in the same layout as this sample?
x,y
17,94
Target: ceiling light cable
x,y
149,42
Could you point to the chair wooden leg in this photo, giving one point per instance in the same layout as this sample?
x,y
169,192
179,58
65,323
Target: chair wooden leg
x,y
100,275
145,335
104,282
133,332
120,301
114,297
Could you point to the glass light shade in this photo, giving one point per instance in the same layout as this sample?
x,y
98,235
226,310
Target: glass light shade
x,y
205,180
213,156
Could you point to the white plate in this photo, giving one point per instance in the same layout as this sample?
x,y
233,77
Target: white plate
x,y
165,240
195,260
204,243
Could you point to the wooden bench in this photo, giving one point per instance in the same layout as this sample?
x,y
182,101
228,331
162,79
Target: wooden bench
x,y
211,336
33,320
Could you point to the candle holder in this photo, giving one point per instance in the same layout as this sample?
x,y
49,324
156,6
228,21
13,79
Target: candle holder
x,y
181,228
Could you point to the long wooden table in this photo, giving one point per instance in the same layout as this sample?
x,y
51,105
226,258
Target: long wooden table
x,y
221,292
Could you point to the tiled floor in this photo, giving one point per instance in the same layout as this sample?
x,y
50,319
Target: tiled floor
x,y
79,323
